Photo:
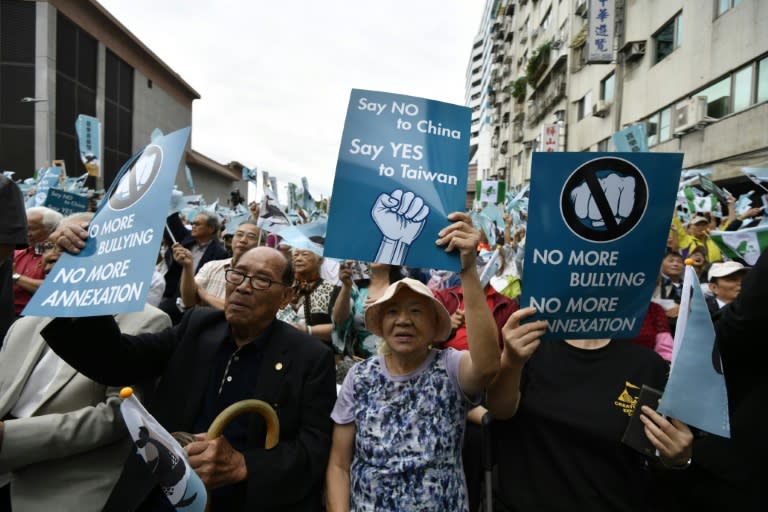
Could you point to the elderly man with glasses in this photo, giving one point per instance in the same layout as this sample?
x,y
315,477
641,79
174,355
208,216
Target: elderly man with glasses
x,y
203,245
208,361
207,287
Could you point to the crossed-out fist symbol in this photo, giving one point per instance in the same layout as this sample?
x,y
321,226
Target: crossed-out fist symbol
x,y
618,191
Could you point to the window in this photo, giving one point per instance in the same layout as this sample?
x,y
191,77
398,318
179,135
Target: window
x,y
602,146
669,38
75,87
718,98
652,129
606,88
665,124
545,21
118,115
722,6
584,106
742,88
17,80
762,80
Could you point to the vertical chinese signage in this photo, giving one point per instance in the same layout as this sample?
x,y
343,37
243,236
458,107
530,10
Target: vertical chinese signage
x,y
89,140
550,138
601,31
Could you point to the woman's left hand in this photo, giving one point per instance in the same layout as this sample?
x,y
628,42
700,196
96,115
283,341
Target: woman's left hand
x,y
461,235
671,437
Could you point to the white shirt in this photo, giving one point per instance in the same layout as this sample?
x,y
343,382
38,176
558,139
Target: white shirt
x,y
39,381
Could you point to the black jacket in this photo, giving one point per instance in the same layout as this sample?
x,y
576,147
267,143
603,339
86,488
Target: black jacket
x,y
214,251
301,389
741,337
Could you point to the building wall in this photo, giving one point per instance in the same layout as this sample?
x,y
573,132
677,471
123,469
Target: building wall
x,y
208,183
711,48
155,108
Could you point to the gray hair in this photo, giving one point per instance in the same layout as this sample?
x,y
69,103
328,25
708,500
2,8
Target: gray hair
x,y
51,218
212,220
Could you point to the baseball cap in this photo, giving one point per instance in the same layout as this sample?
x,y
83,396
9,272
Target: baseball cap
x,y
725,269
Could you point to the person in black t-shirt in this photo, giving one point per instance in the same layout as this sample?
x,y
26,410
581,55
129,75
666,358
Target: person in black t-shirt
x,y
563,407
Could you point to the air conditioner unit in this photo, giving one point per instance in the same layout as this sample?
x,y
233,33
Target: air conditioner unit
x,y
502,172
633,50
528,144
557,44
601,108
535,33
690,114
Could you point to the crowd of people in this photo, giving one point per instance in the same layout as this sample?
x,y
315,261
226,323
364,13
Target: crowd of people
x,y
381,377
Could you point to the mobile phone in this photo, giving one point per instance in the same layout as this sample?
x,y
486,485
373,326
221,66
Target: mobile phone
x,y
634,436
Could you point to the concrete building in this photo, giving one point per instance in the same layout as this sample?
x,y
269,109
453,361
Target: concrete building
x,y
71,57
695,72
478,88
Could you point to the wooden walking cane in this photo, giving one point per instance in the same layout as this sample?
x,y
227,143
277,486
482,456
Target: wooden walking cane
x,y
230,413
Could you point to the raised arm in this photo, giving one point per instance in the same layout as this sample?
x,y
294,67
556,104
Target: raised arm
x,y
95,347
342,307
520,342
187,285
479,365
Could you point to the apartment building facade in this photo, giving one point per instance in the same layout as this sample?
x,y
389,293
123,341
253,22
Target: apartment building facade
x,y
694,72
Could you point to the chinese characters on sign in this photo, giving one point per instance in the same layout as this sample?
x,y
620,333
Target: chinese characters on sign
x,y
550,138
600,31
89,140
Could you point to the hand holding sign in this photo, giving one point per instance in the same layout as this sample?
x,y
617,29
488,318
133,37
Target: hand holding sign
x,y
619,193
400,217
70,237
520,340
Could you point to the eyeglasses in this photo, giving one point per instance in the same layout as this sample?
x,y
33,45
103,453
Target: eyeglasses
x,y
257,282
250,236
50,246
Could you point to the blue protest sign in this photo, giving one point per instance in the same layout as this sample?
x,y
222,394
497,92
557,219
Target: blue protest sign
x,y
188,176
308,203
402,169
88,131
631,139
695,393
47,178
112,273
66,203
597,226
250,175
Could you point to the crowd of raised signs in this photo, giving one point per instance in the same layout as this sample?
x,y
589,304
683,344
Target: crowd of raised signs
x,y
719,235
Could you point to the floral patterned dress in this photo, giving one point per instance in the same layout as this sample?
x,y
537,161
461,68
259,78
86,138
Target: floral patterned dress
x,y
409,431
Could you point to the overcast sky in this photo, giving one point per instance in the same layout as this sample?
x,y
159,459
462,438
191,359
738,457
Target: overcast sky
x,y
275,76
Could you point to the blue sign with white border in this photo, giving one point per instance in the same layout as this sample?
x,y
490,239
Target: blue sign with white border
x,y
112,272
597,227
66,203
402,169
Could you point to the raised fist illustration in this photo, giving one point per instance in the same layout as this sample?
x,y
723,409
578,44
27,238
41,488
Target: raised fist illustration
x,y
619,192
400,216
